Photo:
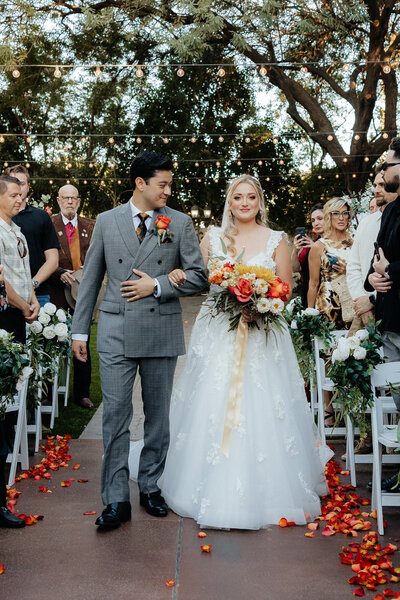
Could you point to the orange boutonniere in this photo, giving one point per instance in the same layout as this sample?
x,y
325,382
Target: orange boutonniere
x,y
164,235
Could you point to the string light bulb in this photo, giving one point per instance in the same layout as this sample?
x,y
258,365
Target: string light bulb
x,y
337,175
345,160
196,164
90,165
218,164
83,139
260,162
57,72
319,176
330,138
384,135
165,140
180,72
111,140
98,72
139,72
356,137
16,73
119,182
199,180
68,181
27,165
216,180
247,140
50,181
239,163
84,181
28,139
262,71
354,175
138,140
281,162
304,69
2,140
386,68
267,179
221,72
220,139
366,159
346,67
193,140
6,164
275,141
175,164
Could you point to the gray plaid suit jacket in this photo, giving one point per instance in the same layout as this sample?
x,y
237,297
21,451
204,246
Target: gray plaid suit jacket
x,y
149,327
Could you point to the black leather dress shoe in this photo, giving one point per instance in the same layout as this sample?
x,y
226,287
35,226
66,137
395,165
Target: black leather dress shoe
x,y
7,519
154,504
388,484
114,514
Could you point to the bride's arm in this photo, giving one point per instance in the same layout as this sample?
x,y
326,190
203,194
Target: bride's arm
x,y
284,263
205,248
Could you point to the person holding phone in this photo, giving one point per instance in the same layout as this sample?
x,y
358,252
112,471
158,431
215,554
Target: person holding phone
x,y
327,289
302,244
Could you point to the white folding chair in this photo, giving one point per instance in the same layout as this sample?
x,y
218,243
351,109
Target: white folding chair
x,y
64,388
20,448
36,428
52,409
382,435
323,383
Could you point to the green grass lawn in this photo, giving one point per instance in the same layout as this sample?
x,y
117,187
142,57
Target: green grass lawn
x,y
73,419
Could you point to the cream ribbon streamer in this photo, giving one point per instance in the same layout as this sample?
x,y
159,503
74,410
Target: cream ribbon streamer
x,y
232,416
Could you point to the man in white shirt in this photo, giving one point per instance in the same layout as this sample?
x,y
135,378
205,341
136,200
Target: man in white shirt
x,y
362,252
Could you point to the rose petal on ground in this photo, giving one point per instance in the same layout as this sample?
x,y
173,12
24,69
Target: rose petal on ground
x,y
83,480
76,467
206,548
346,472
283,522
388,593
309,534
170,583
66,483
90,512
359,592
328,531
313,526
2,569
201,534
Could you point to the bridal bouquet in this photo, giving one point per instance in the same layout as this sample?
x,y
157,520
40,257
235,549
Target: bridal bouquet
x,y
247,286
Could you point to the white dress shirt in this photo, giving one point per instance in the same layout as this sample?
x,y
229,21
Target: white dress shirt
x,y
361,254
73,221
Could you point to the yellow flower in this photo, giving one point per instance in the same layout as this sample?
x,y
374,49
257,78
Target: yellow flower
x,y
261,273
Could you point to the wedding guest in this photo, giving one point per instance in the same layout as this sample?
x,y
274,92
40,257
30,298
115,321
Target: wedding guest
x,y
42,241
327,260
302,246
373,206
74,234
384,274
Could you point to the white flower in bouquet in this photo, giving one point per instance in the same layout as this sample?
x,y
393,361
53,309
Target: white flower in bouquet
x,y
225,284
293,324
311,312
261,287
61,330
360,353
50,308
36,327
276,305
44,318
263,305
354,342
362,334
290,306
61,316
62,338
49,333
343,344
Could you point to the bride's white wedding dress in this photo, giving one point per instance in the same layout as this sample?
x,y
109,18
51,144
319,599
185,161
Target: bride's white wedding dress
x,y
276,463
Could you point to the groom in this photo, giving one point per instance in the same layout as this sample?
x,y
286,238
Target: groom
x,y
139,327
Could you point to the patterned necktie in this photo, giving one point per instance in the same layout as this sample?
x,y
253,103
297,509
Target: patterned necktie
x,y
142,229
70,230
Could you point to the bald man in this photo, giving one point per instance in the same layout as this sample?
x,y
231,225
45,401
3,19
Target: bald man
x,y
74,234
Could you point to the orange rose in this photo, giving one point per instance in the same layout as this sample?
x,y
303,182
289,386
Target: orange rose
x,y
242,290
279,289
162,222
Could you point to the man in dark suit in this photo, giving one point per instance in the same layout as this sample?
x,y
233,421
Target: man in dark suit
x,y
74,234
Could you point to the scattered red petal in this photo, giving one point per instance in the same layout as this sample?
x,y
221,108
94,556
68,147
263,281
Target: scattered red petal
x,y
170,583
346,472
83,480
201,534
309,534
66,483
90,512
313,526
388,593
76,467
283,522
30,520
206,548
2,569
359,592
328,531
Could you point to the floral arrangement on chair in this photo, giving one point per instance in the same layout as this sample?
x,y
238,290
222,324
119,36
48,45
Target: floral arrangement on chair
x,y
352,362
14,368
304,325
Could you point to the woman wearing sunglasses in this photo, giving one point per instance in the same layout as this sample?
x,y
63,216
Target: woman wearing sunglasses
x,y
327,289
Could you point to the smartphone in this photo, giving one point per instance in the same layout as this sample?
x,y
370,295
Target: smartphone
x,y
376,250
301,231
332,259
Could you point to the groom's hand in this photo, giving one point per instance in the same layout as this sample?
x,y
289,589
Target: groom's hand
x,y
139,288
79,348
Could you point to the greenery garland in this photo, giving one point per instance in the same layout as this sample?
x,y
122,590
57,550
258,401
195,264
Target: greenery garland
x,y
14,368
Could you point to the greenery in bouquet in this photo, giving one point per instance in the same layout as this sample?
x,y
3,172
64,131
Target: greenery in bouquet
x,y
14,368
304,325
238,286
352,362
48,338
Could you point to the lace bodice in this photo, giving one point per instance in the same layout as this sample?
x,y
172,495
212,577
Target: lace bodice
x,y
264,259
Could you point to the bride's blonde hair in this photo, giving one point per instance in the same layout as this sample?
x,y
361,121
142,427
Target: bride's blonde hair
x,y
229,229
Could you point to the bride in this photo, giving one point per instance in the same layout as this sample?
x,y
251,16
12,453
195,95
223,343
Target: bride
x,y
275,466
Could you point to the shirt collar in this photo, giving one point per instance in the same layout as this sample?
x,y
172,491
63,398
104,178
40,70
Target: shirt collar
x,y
136,211
73,221
7,227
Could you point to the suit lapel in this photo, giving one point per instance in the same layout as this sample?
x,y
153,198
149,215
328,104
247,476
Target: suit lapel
x,y
126,229
62,237
150,240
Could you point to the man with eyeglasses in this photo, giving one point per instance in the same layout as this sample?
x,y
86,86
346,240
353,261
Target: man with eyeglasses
x,y
384,274
42,241
74,234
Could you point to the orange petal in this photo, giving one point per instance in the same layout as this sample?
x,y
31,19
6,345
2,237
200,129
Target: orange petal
x,y
373,515
283,522
201,534
83,480
346,472
2,569
379,597
206,548
76,467
388,593
170,582
309,534
359,592
66,483
90,512
30,520
313,526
